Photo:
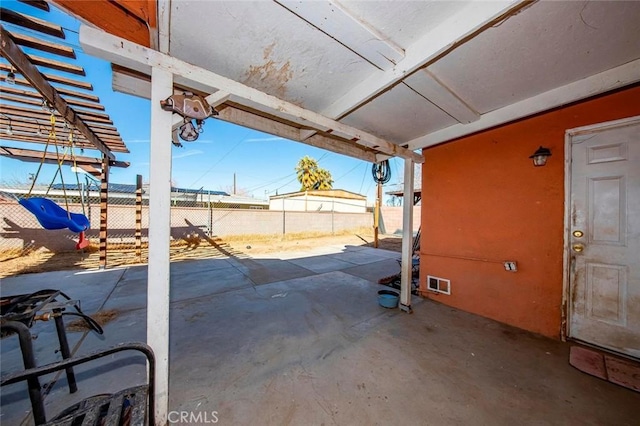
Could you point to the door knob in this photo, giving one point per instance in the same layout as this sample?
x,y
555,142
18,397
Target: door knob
x,y
577,247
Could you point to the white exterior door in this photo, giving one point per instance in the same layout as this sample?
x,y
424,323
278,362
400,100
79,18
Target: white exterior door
x,y
604,235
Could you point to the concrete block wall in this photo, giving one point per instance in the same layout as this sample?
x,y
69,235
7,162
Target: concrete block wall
x,y
19,229
392,219
326,222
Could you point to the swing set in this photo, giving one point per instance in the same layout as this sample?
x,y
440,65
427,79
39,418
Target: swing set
x,y
49,214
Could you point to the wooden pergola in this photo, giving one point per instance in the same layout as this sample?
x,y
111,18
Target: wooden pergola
x,y
35,104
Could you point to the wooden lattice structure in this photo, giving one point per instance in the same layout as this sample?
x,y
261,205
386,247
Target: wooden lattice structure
x,y
30,95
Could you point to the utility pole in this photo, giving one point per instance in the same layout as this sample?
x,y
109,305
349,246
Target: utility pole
x,y
234,183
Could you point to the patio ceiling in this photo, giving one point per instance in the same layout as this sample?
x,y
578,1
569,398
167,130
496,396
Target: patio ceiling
x,y
411,73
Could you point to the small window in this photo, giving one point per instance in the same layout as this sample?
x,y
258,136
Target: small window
x,y
439,285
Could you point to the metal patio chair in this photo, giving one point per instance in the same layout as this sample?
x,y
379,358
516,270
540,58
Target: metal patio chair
x,y
129,407
18,313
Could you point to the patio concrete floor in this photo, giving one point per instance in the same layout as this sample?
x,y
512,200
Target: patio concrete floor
x,y
298,338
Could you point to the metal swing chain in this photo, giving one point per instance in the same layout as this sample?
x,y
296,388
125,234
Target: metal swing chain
x,y
60,161
75,167
64,188
58,170
52,136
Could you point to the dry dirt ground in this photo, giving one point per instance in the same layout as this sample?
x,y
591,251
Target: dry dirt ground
x,y
12,264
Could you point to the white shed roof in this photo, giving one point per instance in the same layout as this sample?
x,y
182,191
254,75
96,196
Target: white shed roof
x,y
331,193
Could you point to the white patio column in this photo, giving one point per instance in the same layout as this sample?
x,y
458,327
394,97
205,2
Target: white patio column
x,y
159,235
407,237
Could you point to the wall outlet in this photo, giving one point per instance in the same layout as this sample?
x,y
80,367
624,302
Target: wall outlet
x,y
510,266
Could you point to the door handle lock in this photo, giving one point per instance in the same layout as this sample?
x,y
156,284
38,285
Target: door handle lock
x,y
577,247
578,234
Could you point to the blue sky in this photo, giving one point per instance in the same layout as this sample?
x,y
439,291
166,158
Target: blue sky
x,y
262,163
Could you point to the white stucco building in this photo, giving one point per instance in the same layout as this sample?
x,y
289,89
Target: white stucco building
x,y
336,200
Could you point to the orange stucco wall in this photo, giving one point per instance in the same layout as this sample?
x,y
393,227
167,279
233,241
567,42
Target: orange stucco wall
x,y
483,202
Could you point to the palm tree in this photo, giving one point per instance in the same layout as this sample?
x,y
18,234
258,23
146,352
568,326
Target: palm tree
x,y
324,180
306,170
311,176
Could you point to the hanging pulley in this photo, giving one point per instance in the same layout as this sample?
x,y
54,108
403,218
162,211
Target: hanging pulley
x,y
187,131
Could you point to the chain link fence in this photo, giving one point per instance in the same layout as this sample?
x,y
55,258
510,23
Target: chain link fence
x,y
197,218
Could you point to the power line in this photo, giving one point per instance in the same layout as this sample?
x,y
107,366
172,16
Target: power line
x,y
221,158
295,178
368,187
270,182
363,178
355,167
263,185
323,156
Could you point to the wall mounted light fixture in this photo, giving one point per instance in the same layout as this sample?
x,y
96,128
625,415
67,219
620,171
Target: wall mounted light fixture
x,y
540,156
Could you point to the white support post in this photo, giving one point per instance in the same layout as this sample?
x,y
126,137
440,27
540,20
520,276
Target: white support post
x,y
407,238
159,234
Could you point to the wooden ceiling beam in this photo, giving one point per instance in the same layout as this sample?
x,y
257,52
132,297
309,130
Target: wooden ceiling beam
x,y
56,65
16,110
36,95
52,78
92,114
21,62
86,96
40,4
91,170
18,99
79,143
38,113
429,86
32,128
31,155
35,124
43,140
437,42
101,128
267,125
45,46
35,24
62,90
